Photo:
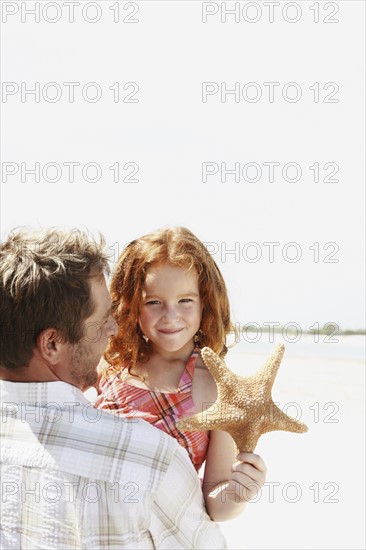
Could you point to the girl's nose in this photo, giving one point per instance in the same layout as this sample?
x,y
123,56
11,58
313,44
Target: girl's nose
x,y
170,313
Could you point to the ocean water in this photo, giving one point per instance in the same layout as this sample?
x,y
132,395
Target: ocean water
x,y
337,347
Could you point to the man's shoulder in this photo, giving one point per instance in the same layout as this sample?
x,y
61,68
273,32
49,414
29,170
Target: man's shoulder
x,y
88,442
121,447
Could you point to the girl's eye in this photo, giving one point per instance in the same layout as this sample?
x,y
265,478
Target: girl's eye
x,y
152,303
186,300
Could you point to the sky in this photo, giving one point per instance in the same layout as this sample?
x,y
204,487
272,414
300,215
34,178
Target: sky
x,y
245,127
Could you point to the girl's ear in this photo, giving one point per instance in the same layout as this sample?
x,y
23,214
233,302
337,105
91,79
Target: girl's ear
x,y
141,333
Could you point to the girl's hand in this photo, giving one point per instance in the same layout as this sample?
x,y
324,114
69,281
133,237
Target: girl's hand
x,y
247,478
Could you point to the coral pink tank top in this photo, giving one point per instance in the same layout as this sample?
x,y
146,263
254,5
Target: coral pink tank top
x,y
160,409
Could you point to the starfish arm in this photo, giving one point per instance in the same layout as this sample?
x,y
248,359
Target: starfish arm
x,y
267,374
207,420
245,438
246,434
280,421
215,365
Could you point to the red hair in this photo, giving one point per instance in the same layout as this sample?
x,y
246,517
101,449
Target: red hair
x,y
177,247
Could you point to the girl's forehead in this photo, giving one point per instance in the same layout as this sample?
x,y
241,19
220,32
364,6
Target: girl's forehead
x,y
167,274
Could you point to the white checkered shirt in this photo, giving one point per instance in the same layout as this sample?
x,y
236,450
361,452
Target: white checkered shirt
x,y
76,477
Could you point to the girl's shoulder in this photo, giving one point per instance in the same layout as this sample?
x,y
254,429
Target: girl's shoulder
x,y
107,372
200,369
204,391
199,364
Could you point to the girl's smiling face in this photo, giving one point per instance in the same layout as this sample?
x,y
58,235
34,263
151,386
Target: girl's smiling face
x,y
171,308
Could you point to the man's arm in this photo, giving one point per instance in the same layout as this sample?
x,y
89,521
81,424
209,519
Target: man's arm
x,y
179,519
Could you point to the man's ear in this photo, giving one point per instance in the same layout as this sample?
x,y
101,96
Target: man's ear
x,y
50,345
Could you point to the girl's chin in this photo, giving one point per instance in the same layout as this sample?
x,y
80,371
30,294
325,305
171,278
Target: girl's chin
x,y
173,347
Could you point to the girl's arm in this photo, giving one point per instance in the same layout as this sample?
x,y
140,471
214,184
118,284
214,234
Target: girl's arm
x,y
230,480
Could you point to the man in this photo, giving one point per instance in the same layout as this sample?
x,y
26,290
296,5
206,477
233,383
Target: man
x,y
73,476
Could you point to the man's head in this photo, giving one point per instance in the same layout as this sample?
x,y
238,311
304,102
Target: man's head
x,y
55,309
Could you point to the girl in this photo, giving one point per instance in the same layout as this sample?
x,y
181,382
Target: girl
x,y
170,300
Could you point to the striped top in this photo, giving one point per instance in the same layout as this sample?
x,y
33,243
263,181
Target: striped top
x,y
162,410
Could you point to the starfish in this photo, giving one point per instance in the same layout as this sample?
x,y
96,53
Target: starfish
x,y
244,407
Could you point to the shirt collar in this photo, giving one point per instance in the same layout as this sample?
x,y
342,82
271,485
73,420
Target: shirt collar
x,y
40,393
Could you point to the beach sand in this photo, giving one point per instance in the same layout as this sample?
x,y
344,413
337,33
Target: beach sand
x,y
314,494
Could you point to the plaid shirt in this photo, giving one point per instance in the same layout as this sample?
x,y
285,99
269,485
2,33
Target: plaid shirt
x,y
74,477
